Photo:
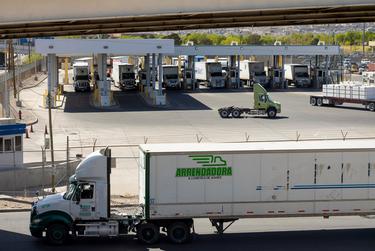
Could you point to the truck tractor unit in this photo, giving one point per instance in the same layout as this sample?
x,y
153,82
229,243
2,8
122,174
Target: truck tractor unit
x,y
222,182
171,77
297,74
252,72
263,105
124,75
81,76
210,73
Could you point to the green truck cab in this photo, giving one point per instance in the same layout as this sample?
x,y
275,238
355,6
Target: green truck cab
x,y
263,105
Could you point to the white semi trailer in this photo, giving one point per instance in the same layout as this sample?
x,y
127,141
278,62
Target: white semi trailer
x,y
297,74
81,76
222,182
253,72
210,73
124,75
171,77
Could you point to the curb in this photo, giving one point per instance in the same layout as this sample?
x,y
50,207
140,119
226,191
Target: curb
x,y
16,210
16,200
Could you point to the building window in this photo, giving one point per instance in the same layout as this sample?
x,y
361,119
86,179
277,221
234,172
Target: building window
x,y
18,143
1,145
8,146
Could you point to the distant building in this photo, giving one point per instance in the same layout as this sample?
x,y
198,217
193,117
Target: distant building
x,y
11,143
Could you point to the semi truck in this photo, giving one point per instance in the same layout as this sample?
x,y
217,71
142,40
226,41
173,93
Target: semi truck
x,y
253,72
263,105
297,74
81,76
171,77
223,182
338,94
210,73
123,75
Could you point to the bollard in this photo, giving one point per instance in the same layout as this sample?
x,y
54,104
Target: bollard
x,y
45,130
31,128
27,133
20,114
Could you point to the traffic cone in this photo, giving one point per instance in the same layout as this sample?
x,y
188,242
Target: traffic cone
x,y
45,130
31,128
27,133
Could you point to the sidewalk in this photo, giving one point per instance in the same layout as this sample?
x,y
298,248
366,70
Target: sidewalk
x,y
28,117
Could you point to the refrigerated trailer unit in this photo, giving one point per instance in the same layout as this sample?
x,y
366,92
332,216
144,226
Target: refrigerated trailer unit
x,y
219,181
253,72
297,74
123,75
210,73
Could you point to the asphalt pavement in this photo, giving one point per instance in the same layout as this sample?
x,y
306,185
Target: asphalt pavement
x,y
292,234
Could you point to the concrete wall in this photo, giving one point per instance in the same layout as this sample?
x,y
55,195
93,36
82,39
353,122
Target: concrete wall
x,y
31,179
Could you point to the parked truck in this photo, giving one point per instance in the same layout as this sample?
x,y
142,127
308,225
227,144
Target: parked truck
x,y
210,73
223,182
81,76
252,72
171,77
123,75
263,105
338,94
297,74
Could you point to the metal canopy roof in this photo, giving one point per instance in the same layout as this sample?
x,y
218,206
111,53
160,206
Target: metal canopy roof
x,y
139,47
55,19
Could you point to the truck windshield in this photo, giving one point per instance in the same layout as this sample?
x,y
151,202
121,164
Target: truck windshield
x,y
260,74
302,75
216,74
128,76
171,76
70,192
82,77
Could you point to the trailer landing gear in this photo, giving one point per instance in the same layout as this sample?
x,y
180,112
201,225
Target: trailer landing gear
x,y
219,224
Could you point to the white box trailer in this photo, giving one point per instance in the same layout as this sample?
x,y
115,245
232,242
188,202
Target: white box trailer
x,y
81,76
211,73
253,72
222,182
297,74
171,77
123,75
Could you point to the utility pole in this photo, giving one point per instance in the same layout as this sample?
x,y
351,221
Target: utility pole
x,y
11,66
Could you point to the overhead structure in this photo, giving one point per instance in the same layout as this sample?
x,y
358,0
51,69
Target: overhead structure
x,y
71,17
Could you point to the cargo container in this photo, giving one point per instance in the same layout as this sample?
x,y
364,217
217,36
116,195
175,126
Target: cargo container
x,y
253,72
210,73
223,182
297,74
123,75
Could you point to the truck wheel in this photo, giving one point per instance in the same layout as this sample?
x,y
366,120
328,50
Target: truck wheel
x,y
271,112
178,233
224,113
57,234
148,233
236,113
371,107
319,101
313,101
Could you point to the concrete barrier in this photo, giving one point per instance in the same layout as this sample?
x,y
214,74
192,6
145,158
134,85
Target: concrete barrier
x,y
33,178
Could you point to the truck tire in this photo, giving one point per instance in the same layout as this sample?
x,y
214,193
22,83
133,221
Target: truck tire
x,y
57,234
148,233
236,113
178,232
313,101
319,101
271,112
371,107
224,113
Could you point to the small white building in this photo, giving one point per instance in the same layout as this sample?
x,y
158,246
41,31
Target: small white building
x,y
11,143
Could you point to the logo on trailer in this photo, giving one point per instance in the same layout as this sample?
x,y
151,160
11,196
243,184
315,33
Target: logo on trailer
x,y
207,166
